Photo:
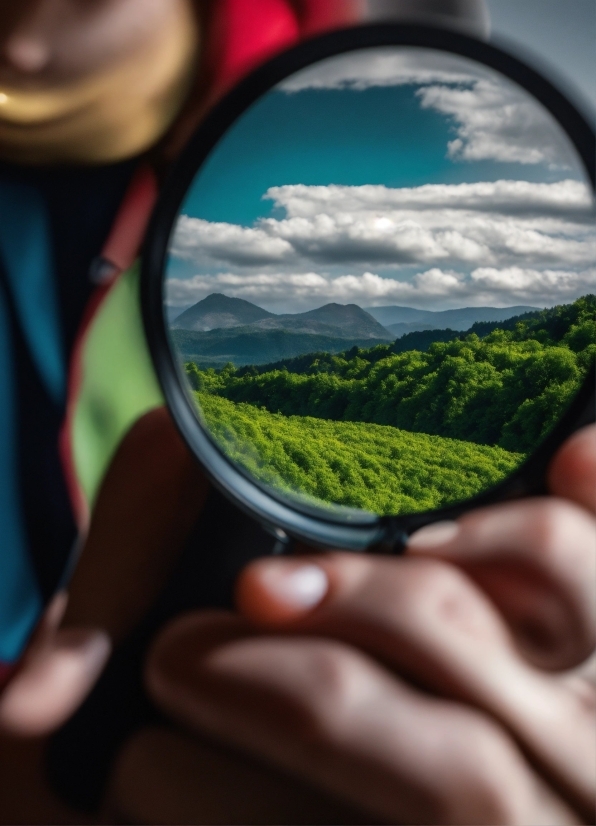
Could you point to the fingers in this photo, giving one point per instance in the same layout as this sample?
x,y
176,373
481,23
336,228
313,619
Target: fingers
x,y
330,715
572,474
56,673
429,622
536,559
44,693
164,776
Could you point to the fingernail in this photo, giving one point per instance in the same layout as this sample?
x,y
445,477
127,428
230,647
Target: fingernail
x,y
431,536
53,682
302,587
93,649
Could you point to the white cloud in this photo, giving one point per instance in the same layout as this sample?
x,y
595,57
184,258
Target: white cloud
x,y
498,224
548,286
433,289
195,237
384,66
494,119
313,289
492,243
565,198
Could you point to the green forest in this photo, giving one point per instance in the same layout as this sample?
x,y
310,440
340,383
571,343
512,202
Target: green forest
x,y
375,468
326,425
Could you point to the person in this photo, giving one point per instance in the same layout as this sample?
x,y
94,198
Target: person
x,y
311,769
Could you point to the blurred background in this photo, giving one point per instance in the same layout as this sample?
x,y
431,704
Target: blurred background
x,y
557,37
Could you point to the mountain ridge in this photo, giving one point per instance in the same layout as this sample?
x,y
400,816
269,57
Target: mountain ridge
x,y
219,329
220,312
401,320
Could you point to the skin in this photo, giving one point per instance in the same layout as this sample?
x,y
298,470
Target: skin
x,y
92,82
443,687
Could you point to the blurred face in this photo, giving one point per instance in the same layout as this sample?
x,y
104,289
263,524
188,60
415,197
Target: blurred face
x,y
91,80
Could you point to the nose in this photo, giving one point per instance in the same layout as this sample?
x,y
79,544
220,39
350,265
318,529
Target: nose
x,y
26,53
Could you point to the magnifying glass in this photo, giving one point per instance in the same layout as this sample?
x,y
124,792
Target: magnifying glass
x,y
368,293
367,285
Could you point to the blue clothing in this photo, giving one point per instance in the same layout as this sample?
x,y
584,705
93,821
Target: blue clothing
x,y
20,599
53,224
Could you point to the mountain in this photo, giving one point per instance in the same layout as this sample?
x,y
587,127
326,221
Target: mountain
x,y
337,320
403,320
217,311
346,315
248,345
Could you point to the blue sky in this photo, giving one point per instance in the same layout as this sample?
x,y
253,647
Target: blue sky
x,y
397,123
320,137
315,137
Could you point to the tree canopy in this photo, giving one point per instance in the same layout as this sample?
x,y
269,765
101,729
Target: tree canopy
x,y
500,384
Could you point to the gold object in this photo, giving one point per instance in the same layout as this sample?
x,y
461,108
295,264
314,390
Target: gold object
x,y
110,116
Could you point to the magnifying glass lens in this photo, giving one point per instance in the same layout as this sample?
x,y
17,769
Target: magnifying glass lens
x,y
378,284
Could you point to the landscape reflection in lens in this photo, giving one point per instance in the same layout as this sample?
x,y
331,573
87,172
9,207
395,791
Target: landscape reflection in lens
x,y
379,285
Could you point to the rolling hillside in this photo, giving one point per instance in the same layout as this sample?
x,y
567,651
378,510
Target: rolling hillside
x,y
372,467
507,388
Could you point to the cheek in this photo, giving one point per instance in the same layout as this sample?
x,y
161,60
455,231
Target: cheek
x,y
82,38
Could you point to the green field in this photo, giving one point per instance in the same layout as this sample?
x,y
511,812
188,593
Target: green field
x,y
373,467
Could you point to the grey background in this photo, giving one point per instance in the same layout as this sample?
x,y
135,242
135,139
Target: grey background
x,y
556,36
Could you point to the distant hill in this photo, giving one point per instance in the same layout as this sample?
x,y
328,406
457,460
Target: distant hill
x,y
403,320
218,311
337,320
220,329
404,329
347,315
247,345
422,339
398,315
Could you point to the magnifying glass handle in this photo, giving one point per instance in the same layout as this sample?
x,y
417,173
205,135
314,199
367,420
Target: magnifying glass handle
x,y
81,753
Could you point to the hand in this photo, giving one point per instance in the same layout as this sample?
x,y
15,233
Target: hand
x,y
166,776
430,689
138,528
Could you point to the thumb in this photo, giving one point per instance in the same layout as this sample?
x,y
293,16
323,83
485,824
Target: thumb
x,y
56,672
572,474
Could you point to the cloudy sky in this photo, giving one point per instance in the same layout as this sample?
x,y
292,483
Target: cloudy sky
x,y
388,176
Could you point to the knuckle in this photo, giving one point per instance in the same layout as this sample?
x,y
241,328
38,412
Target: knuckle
x,y
434,580
433,589
337,685
333,672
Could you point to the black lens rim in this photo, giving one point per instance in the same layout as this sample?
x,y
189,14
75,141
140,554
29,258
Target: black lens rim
x,y
274,511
